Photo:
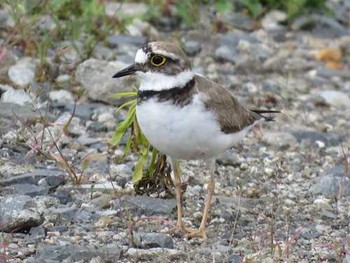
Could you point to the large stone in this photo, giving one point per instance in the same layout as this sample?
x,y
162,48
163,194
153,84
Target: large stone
x,y
333,182
18,213
96,78
74,253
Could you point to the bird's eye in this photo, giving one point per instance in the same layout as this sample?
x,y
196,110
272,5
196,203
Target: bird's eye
x,y
158,60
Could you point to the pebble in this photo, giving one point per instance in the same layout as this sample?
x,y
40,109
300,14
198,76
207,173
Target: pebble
x,y
272,20
23,72
335,98
63,96
17,96
144,205
152,240
279,139
149,254
331,185
226,53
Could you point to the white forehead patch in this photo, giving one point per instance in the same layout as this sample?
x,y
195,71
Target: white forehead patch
x,y
164,53
141,57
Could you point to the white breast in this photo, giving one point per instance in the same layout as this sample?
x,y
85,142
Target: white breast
x,y
189,132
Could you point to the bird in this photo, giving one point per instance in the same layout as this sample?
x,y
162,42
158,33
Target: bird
x,y
187,116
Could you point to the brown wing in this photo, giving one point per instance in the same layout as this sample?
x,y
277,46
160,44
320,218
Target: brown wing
x,y
231,115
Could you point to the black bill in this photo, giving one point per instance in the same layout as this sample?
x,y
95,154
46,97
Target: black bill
x,y
125,72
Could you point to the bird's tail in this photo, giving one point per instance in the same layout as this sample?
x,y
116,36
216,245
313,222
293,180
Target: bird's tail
x,y
266,117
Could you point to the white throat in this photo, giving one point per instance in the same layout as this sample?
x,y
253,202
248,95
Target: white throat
x,y
158,81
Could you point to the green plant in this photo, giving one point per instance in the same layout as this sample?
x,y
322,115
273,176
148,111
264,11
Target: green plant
x,y
149,172
137,140
293,8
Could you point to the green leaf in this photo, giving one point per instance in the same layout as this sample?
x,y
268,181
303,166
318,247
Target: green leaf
x,y
254,7
84,164
138,172
123,126
124,94
131,103
152,165
223,6
127,147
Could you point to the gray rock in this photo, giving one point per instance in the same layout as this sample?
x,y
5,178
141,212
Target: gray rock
x,y
17,96
83,111
18,212
23,72
335,98
330,139
116,40
192,47
234,259
229,157
226,53
145,205
310,232
96,77
326,72
151,240
53,178
119,169
238,20
260,51
88,141
26,112
61,96
62,215
46,23
142,255
101,202
25,189
272,20
324,26
332,183
74,253
232,39
75,127
280,139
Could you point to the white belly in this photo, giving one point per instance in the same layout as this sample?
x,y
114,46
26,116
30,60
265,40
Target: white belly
x,y
188,132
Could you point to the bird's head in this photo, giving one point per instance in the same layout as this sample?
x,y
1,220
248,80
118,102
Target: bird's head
x,y
160,62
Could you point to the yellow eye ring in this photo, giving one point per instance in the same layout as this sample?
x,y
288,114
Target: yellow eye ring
x,y
157,60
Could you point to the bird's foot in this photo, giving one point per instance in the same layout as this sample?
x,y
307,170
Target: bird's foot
x,y
199,233
188,232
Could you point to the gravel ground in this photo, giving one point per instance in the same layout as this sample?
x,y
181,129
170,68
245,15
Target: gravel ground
x,y
282,195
